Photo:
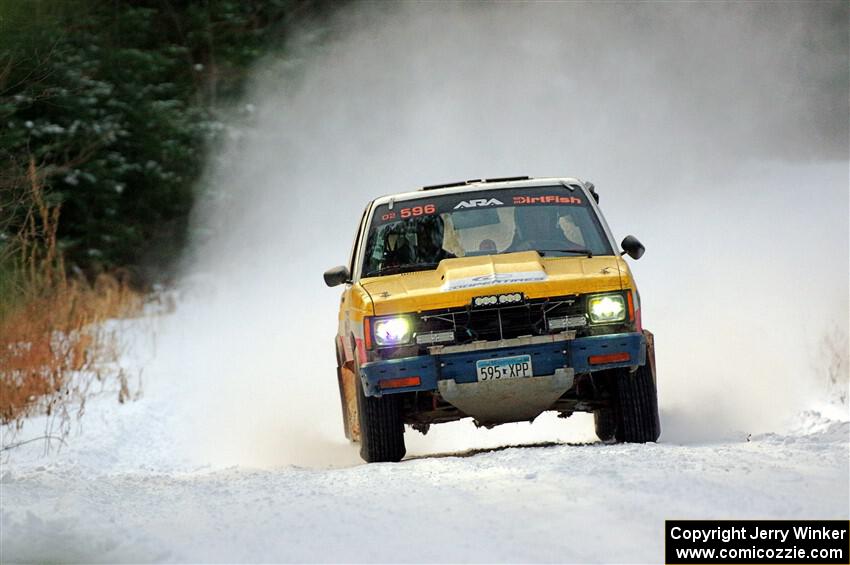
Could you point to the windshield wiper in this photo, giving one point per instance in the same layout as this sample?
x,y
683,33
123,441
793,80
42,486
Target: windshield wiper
x,y
393,269
587,252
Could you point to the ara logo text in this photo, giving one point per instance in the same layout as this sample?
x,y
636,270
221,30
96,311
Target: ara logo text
x,y
477,202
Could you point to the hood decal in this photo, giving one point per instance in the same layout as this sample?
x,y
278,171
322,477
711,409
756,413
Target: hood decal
x,y
490,279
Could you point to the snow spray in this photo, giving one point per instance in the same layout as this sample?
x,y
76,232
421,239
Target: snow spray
x,y
716,133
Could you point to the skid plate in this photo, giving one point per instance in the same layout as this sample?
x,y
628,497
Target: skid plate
x,y
507,400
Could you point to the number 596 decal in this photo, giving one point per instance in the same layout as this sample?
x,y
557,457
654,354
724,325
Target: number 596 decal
x,y
417,211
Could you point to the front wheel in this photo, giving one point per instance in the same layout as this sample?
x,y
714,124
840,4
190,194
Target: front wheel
x,y
637,406
381,427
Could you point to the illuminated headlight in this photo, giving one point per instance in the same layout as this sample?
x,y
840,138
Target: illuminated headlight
x,y
392,331
606,308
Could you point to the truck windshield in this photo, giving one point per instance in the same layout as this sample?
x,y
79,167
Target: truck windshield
x,y
416,235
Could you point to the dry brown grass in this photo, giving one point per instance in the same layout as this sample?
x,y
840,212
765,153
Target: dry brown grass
x,y
52,336
52,341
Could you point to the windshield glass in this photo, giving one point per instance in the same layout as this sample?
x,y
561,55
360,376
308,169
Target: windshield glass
x,y
418,234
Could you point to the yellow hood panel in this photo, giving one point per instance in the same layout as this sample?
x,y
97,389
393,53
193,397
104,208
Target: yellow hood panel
x,y
456,281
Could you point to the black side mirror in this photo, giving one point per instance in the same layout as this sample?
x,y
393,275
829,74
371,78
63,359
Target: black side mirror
x,y
633,247
337,276
591,188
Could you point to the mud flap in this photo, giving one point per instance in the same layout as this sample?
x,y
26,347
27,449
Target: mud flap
x,y
650,352
509,400
348,395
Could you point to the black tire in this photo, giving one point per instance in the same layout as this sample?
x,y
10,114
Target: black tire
x,y
381,427
605,422
637,407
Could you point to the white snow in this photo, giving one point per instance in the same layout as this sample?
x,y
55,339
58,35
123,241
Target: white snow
x,y
130,487
235,451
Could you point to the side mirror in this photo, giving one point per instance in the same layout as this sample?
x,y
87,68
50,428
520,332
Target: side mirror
x,y
337,276
633,247
591,188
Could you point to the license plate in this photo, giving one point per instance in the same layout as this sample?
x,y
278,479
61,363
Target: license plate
x,y
504,368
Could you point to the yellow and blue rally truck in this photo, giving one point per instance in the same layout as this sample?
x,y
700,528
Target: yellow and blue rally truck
x,y
495,299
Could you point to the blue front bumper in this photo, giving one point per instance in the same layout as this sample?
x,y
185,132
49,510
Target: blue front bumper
x,y
545,358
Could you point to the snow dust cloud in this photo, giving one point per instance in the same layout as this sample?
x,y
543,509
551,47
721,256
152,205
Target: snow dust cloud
x,y
716,133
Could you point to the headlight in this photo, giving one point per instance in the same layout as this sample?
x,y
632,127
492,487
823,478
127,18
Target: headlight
x,y
392,331
606,308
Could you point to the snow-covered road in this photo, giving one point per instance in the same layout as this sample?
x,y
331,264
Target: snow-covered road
x,y
129,488
572,503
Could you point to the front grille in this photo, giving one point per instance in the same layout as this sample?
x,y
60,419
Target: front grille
x,y
504,322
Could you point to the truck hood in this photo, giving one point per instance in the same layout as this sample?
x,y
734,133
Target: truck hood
x,y
456,281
